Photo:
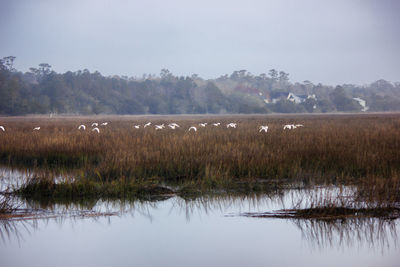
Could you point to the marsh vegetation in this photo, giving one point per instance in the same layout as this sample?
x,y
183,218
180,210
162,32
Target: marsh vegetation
x,y
122,162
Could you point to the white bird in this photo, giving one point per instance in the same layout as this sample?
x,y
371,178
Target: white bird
x,y
147,124
232,125
289,126
82,127
192,128
2,128
299,125
96,129
217,124
203,124
136,126
174,124
263,128
160,127
36,128
104,124
95,124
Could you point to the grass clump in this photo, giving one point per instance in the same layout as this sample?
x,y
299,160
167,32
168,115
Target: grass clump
x,y
331,213
41,188
5,204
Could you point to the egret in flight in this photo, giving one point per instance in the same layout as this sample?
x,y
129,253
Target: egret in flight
x,y
263,128
96,130
104,124
174,125
82,127
36,128
147,124
217,124
2,128
95,124
289,126
203,124
231,125
160,127
136,126
192,128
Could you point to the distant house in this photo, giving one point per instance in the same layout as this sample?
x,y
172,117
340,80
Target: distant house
x,y
296,98
277,96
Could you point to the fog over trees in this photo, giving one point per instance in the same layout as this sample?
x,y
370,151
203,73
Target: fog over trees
x,y
43,91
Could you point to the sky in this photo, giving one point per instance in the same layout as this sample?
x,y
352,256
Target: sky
x,y
330,42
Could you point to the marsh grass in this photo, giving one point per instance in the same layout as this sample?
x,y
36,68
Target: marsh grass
x,y
335,203
40,188
384,191
331,213
6,205
330,149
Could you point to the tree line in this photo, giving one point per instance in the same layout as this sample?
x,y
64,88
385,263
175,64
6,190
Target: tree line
x,y
42,91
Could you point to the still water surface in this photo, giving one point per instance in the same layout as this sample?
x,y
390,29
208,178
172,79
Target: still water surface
x,y
175,232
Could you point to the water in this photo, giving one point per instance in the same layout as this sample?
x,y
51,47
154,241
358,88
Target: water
x,y
208,231
175,232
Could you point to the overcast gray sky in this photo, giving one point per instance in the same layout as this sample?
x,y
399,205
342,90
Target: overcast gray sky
x,y
329,41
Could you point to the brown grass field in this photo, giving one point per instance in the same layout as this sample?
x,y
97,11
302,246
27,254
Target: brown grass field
x,y
342,149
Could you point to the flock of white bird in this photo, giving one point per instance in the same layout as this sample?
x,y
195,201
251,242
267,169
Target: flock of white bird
x,y
4,128
95,126
173,126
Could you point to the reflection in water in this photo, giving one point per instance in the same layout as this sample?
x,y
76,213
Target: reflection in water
x,y
220,204
11,179
366,232
373,233
13,229
16,228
